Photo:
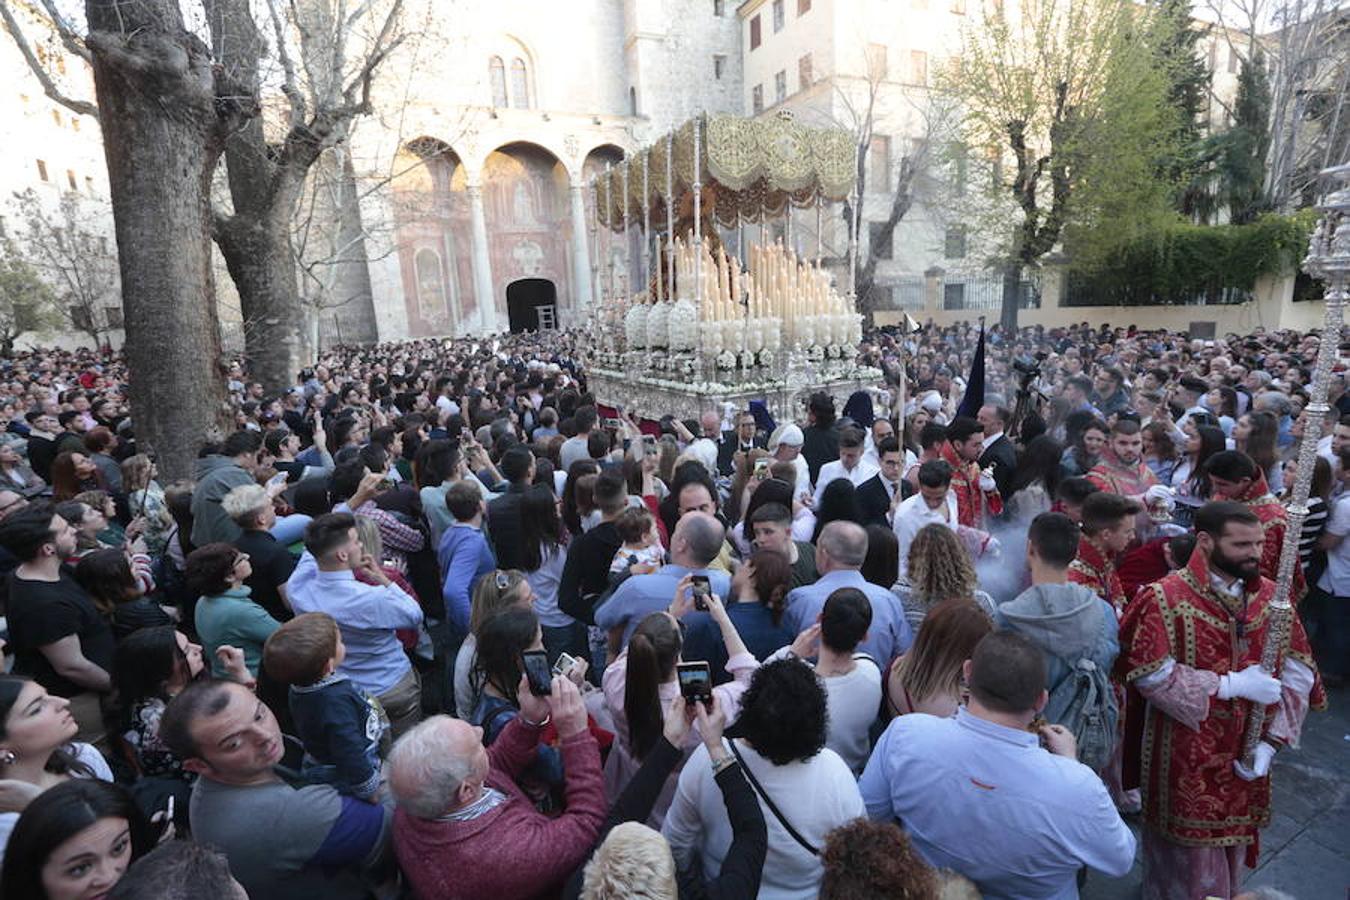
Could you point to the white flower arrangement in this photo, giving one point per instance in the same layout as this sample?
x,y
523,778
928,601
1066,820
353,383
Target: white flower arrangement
x,y
682,326
767,358
726,360
658,334
635,327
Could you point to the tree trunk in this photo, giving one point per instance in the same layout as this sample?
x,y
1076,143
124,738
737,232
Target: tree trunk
x,y
1012,289
258,257
156,96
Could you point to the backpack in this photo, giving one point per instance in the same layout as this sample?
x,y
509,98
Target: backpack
x,y
1084,702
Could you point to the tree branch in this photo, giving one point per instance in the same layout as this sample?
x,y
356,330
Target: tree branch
x,y
70,38
81,107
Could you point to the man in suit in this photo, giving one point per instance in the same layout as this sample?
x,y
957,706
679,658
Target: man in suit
x,y
998,451
742,440
879,495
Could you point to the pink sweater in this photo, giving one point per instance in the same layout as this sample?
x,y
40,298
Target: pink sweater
x,y
513,852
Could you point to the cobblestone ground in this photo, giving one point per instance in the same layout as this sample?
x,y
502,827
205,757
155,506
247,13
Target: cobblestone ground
x,y
1306,849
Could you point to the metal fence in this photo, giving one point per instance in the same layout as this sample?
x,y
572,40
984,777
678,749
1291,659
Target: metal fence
x,y
984,292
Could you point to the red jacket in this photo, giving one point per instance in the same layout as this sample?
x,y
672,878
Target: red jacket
x,y
512,852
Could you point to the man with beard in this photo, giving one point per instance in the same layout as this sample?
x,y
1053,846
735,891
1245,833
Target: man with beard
x,y
1122,470
1192,643
1235,476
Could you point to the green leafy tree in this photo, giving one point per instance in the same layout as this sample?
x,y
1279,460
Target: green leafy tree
x,y
1242,148
26,302
1066,91
1172,38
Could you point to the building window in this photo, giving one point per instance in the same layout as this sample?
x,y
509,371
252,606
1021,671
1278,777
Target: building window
x,y
719,7
879,164
56,117
754,33
113,316
42,169
954,242
75,123
954,296
430,284
960,167
778,16
81,319
89,185
756,103
876,61
804,78
632,102
719,66
520,84
918,67
497,77
780,86
70,179
959,7
1234,61
880,249
803,7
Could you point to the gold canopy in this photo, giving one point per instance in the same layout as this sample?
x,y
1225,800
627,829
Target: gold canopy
x,y
751,166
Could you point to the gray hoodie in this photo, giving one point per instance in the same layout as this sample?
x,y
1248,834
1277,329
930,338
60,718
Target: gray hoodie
x,y
1068,622
216,476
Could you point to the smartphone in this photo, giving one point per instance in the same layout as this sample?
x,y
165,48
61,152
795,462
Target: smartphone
x,y
611,424
695,682
279,478
535,663
761,467
564,664
701,589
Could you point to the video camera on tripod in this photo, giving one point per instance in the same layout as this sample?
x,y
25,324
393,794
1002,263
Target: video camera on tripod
x,y
1028,369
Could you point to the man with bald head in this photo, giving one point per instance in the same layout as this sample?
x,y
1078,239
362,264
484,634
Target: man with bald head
x,y
464,828
840,551
694,545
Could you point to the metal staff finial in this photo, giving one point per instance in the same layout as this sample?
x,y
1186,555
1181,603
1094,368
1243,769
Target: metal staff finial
x,y
1328,259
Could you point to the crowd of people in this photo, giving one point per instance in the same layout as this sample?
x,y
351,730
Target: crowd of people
x,y
436,622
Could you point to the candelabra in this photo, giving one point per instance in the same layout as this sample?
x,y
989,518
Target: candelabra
x,y
1328,259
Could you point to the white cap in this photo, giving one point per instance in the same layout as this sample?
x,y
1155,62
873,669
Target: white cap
x,y
790,435
931,401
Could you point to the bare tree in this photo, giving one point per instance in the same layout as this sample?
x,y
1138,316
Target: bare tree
x,y
74,258
166,110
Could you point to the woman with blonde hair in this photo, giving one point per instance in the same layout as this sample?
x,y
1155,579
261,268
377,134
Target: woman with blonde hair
x,y
928,678
939,569
495,591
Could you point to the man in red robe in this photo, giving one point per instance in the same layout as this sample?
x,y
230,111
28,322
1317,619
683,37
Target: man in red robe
x,y
1108,528
976,492
1192,643
1122,470
1235,476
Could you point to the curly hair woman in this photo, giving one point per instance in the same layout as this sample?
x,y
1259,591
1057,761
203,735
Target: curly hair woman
x,y
939,569
781,747
874,859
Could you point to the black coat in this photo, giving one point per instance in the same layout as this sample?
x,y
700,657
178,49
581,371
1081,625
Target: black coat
x,y
819,446
1002,455
875,501
504,527
726,450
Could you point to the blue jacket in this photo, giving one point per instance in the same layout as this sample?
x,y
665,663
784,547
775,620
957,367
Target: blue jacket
x,y
341,729
889,635
464,556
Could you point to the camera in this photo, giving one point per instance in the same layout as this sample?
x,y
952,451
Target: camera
x,y
1029,367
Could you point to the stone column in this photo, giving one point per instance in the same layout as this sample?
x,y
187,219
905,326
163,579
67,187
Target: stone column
x,y
482,265
581,256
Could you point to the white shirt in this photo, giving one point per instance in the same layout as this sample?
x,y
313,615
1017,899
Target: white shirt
x,y
914,514
852,699
834,469
1336,579
816,796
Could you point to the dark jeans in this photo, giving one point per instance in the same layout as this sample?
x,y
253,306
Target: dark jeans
x,y
1327,621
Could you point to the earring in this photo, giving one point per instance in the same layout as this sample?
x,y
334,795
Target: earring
x,y
9,758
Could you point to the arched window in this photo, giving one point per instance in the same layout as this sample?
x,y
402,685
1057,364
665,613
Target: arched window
x,y
430,284
497,78
520,84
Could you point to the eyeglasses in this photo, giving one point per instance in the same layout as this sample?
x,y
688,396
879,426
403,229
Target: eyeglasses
x,y
503,580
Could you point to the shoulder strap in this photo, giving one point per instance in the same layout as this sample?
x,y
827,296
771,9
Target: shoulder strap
x,y
773,807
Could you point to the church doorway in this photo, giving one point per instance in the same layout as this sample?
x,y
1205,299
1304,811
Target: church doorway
x,y
531,304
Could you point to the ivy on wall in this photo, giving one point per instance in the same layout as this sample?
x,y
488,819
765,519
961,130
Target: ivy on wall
x,y
1186,263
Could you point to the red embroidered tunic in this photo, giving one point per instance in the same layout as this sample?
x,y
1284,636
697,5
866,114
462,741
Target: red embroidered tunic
x,y
1113,476
1096,571
971,502
1192,796
1274,523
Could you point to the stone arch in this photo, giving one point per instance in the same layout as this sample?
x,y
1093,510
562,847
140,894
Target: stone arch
x,y
525,207
432,236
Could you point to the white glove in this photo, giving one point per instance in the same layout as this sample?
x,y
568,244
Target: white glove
x,y
1252,683
1261,758
987,482
992,549
1159,493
